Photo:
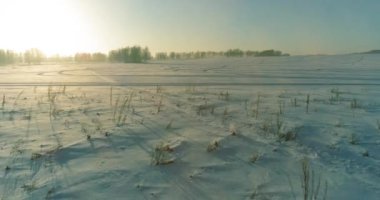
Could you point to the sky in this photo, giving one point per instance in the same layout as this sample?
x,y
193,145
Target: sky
x,y
292,26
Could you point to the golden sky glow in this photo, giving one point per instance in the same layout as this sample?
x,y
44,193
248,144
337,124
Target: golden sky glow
x,y
292,26
54,26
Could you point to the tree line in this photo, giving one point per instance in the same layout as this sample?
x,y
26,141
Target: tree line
x,y
134,54
207,54
31,56
8,57
90,57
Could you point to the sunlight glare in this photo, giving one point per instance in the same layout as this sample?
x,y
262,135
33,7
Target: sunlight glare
x,y
52,26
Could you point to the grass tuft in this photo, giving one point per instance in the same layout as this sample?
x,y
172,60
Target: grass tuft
x,y
354,140
255,157
311,184
161,154
212,146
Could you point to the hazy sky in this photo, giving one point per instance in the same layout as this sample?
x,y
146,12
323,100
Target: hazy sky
x,y
293,26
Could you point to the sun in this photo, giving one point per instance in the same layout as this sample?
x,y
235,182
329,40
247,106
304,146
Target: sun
x,y
54,26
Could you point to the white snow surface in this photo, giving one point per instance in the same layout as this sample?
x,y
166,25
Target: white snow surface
x,y
225,128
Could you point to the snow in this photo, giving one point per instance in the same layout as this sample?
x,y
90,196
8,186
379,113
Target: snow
x,y
222,128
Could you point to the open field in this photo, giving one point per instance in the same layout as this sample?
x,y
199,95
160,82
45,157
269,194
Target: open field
x,y
238,128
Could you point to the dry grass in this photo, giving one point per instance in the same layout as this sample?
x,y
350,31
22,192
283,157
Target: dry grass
x,y
161,154
212,146
311,185
255,157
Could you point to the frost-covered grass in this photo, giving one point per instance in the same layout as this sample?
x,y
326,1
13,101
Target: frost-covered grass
x,y
195,141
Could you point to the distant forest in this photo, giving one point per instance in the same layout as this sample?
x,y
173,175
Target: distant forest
x,y
134,54
207,54
372,52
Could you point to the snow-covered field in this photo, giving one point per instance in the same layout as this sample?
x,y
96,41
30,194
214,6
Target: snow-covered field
x,y
238,128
